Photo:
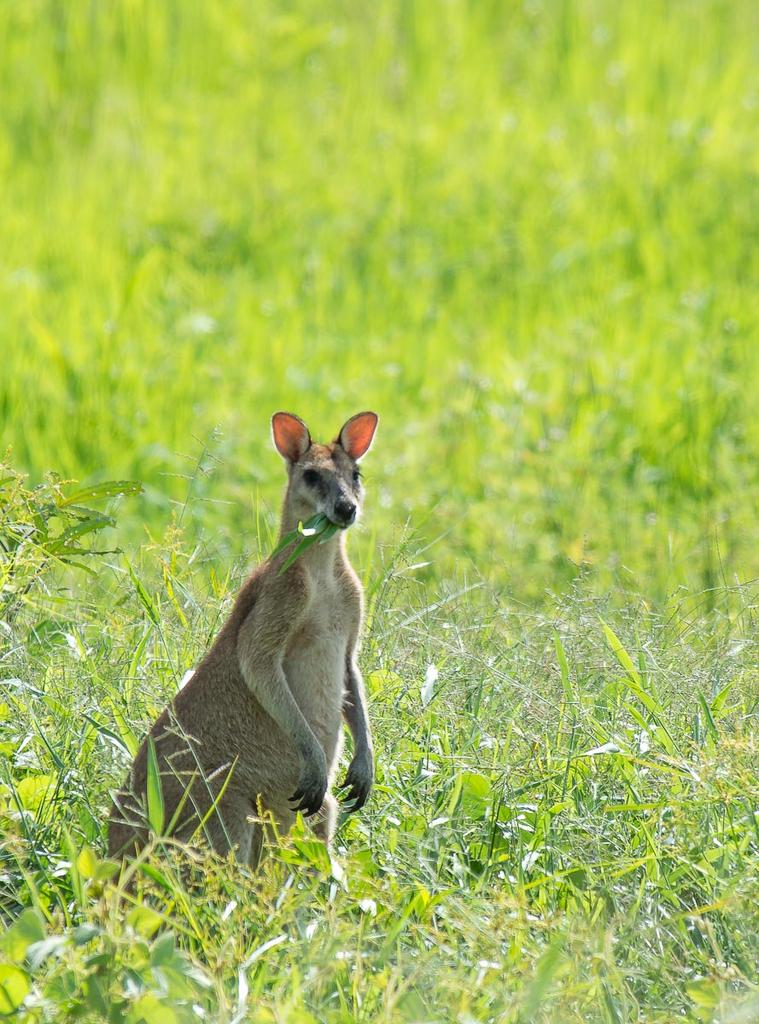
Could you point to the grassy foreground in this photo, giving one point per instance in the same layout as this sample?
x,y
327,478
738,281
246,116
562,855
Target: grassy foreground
x,y
564,826
526,236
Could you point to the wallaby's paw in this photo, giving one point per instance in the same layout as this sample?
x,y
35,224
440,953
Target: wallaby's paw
x,y
359,781
312,785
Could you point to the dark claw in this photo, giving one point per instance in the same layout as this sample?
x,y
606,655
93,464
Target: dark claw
x,y
308,803
355,797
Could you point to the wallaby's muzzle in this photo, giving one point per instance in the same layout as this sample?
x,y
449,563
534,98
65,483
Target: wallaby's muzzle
x,y
345,513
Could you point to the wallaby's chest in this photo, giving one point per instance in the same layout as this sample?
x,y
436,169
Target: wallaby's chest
x,y
315,660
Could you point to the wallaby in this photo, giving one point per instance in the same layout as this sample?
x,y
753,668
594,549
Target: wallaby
x,y
256,732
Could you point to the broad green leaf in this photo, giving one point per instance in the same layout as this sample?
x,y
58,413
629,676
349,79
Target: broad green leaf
x,y
149,1009
25,930
34,790
109,489
298,550
328,532
97,1000
317,528
86,863
163,951
475,794
14,987
85,933
106,869
144,921
313,525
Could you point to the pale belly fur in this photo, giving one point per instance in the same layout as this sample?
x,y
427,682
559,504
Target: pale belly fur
x,y
315,670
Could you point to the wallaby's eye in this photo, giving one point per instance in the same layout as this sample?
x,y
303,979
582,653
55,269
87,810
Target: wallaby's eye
x,y
356,476
311,477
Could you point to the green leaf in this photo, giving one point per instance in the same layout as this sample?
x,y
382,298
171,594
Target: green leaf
x,y
14,987
719,701
134,664
313,525
62,544
163,950
475,794
149,1009
85,933
25,930
70,852
710,723
108,489
632,680
299,549
86,863
105,731
328,532
317,528
286,540
106,869
416,906
156,818
621,654
144,596
158,877
128,738
97,1001
561,657
544,975
33,790
145,921
315,853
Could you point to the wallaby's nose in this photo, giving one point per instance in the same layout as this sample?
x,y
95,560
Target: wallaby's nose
x,y
345,511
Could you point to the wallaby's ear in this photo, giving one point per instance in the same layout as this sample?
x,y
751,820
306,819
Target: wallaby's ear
x,y
291,436
357,434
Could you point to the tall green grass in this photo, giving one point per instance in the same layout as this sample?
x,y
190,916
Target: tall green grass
x,y
525,234
563,828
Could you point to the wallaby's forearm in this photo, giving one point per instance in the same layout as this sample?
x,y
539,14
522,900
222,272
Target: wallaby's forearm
x,y
261,642
360,775
355,710
268,684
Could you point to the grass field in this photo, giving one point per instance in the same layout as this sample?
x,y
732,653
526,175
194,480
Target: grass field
x,y
526,235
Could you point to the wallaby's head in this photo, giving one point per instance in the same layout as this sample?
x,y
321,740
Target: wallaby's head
x,y
323,477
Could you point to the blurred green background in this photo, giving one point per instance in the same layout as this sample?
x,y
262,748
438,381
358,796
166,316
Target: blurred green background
x,y
525,233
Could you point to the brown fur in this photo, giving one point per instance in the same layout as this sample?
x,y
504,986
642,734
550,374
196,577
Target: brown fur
x,y
260,720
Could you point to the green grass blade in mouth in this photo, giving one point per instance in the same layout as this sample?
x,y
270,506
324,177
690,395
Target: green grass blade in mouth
x,y
317,528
